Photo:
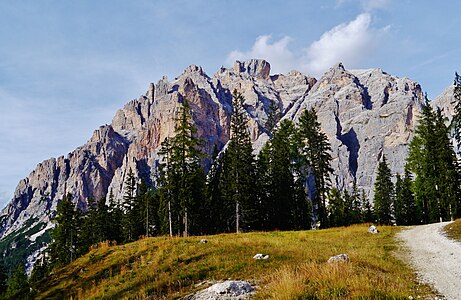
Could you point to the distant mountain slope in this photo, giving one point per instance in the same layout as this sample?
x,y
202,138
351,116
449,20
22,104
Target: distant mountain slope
x,y
365,113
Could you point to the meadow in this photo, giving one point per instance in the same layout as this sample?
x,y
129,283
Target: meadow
x,y
170,268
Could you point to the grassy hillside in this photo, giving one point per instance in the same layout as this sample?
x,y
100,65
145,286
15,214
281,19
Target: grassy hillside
x,y
297,268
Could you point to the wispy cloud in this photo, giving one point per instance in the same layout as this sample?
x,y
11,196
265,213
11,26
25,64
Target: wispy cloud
x,y
347,42
366,5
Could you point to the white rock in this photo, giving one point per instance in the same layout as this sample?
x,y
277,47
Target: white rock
x,y
373,230
340,258
229,289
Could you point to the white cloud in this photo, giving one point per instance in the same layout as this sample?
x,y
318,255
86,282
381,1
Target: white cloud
x,y
277,54
348,43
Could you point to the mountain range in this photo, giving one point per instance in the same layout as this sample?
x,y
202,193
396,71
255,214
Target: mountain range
x,y
365,114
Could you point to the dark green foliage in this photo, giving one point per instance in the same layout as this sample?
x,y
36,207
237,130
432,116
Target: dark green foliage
x,y
39,273
336,208
18,286
96,224
432,159
384,194
238,184
66,234
130,208
3,278
182,178
456,122
405,208
115,212
367,209
316,151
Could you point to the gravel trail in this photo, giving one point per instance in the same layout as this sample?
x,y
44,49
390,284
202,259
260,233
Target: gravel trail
x,y
436,258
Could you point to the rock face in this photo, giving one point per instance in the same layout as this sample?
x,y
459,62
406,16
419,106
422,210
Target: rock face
x,y
365,114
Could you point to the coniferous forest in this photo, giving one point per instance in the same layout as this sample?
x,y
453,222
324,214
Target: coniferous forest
x,y
285,187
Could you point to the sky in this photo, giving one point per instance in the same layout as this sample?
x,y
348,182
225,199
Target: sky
x,y
67,66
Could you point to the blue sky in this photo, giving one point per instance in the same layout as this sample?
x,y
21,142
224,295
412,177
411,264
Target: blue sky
x,y
67,66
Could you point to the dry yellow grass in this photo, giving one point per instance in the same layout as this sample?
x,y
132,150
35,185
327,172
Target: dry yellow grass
x,y
170,268
453,230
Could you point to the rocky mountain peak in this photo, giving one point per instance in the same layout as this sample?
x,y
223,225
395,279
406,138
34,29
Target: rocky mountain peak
x,y
258,68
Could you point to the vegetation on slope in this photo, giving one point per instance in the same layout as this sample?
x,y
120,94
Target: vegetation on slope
x,y
170,268
453,230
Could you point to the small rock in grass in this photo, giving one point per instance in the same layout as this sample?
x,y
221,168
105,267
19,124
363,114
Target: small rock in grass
x,y
261,256
340,258
373,230
224,290
203,241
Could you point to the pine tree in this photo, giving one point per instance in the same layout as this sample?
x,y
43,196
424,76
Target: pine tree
x,y
239,169
66,234
456,121
432,159
130,213
3,279
282,181
367,209
335,208
316,150
356,209
183,179
384,194
398,200
115,216
18,286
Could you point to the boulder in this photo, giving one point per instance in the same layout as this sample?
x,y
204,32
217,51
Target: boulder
x,y
373,230
229,289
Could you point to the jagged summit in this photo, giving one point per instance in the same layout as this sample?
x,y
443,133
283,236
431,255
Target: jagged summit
x,y
365,113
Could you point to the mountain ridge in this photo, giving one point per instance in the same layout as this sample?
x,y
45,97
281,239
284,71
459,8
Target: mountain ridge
x,y
365,114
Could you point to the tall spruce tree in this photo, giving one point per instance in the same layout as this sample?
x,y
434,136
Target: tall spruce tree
x,y
18,285
183,180
130,214
384,194
335,208
239,169
456,121
432,159
66,233
282,184
316,150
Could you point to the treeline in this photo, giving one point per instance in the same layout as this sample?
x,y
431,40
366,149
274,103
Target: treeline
x,y
429,190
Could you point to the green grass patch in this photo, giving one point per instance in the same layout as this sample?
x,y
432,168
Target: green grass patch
x,y
170,268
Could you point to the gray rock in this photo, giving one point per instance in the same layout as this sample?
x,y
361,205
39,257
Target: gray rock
x,y
224,290
261,256
373,230
340,258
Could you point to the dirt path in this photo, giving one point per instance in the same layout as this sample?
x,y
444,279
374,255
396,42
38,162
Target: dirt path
x,y
436,258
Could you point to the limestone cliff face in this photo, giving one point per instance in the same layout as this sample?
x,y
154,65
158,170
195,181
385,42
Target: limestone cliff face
x,y
365,113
